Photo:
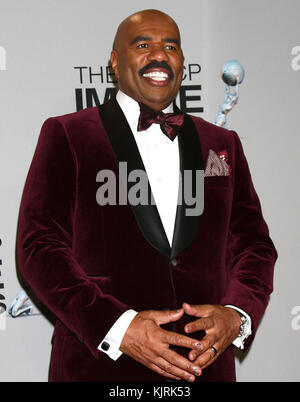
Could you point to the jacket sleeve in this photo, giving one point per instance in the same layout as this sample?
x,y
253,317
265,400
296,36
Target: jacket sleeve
x,y
251,253
44,243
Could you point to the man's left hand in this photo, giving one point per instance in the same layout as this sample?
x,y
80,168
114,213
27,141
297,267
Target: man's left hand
x,y
221,326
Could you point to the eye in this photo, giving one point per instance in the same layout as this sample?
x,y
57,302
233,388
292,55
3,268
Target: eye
x,y
170,47
143,46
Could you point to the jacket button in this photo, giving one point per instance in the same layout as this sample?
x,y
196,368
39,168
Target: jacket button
x,y
105,346
174,262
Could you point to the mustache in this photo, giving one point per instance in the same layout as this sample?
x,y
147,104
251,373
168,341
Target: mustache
x,y
157,64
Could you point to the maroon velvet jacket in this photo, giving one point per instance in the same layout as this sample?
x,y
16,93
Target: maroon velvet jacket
x,y
89,263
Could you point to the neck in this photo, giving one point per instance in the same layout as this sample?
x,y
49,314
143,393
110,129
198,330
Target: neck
x,y
167,108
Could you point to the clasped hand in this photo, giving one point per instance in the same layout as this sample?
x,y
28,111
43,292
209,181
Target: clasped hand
x,y
146,342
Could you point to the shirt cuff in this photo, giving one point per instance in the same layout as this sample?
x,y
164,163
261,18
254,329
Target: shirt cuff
x,y
239,341
112,341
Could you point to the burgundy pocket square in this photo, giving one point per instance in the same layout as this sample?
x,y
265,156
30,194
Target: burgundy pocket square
x,y
217,165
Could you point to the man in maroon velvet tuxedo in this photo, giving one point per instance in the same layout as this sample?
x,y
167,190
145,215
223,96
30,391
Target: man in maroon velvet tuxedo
x,y
144,292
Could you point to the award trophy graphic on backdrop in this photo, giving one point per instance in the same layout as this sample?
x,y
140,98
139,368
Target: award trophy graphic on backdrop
x,y
233,75
20,305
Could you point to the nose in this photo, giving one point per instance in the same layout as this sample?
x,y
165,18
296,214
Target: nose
x,y
158,53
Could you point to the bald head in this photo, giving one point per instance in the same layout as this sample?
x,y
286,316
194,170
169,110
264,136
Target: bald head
x,y
138,18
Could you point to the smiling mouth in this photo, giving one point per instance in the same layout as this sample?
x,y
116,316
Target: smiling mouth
x,y
158,76
157,73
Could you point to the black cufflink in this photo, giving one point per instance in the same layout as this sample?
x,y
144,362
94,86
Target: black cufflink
x,y
105,346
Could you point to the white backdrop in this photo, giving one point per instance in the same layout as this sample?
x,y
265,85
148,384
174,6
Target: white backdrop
x,y
41,43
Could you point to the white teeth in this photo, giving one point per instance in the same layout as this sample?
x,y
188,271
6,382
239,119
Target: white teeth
x,y
156,75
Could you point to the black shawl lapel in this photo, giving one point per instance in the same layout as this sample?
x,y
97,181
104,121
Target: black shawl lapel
x,y
126,150
187,227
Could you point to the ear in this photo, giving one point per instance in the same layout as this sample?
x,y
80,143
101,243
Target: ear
x,y
114,62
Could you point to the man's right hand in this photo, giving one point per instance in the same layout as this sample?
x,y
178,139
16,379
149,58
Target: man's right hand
x,y
149,344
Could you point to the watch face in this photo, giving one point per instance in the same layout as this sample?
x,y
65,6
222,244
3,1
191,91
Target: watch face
x,y
244,326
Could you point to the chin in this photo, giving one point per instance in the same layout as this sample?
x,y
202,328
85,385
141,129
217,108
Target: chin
x,y
160,100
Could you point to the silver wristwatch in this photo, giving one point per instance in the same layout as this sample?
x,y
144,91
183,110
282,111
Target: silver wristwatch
x,y
245,325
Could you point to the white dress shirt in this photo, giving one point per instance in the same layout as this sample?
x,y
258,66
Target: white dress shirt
x,y
154,147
